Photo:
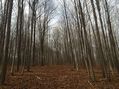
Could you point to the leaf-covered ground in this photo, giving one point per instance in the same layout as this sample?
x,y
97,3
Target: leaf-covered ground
x,y
57,77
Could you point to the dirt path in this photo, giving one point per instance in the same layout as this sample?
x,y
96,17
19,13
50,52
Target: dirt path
x,y
54,77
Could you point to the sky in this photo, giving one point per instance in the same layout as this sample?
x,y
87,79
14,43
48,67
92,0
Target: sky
x,y
57,13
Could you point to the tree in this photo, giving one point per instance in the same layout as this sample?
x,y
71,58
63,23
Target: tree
x,y
8,14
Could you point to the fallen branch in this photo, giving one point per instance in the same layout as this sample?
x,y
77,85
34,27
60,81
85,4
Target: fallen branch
x,y
91,85
38,77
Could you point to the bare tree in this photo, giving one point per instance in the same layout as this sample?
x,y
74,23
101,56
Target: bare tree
x,y
7,27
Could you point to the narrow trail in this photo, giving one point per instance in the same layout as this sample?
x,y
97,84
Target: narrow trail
x,y
52,77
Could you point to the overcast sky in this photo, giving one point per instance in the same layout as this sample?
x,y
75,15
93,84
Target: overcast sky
x,y
57,4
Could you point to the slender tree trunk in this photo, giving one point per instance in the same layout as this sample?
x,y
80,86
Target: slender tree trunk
x,y
3,65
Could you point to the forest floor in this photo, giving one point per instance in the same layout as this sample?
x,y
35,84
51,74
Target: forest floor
x,y
57,77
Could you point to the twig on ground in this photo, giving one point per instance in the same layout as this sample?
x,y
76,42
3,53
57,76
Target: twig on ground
x,y
38,77
91,85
